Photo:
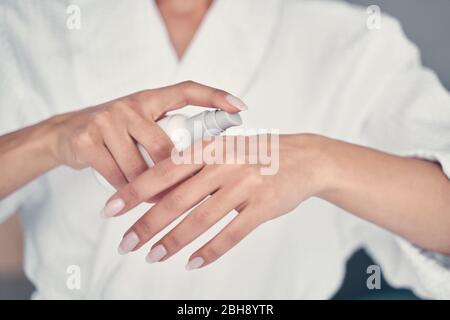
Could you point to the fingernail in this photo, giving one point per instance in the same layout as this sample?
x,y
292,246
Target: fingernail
x,y
236,102
156,254
128,243
195,263
113,207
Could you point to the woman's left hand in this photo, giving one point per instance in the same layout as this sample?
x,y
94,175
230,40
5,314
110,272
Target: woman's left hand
x,y
258,192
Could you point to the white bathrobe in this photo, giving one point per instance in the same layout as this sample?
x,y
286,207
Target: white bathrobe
x,y
301,66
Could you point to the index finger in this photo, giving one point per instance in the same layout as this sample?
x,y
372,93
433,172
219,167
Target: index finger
x,y
162,176
161,100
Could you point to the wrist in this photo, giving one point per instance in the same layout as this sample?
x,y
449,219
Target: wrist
x,y
317,159
25,154
44,141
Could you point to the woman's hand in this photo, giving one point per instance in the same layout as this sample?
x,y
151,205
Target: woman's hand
x,y
410,197
104,137
257,192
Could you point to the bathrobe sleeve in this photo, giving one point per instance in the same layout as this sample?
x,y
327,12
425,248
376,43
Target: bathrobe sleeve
x,y
407,113
15,113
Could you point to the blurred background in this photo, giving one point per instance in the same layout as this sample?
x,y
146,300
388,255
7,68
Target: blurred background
x,y
427,23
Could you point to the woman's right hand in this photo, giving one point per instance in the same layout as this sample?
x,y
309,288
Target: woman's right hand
x,y
104,137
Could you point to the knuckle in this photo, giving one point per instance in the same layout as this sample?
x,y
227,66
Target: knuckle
x,y
143,228
159,149
171,242
210,252
119,104
253,177
135,168
200,217
110,174
185,88
222,205
175,201
134,105
164,170
82,140
131,194
218,94
115,179
127,108
231,238
101,118
187,84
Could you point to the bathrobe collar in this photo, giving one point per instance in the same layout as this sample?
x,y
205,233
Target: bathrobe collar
x,y
220,54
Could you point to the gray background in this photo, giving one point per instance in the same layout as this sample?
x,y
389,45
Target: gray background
x,y
427,23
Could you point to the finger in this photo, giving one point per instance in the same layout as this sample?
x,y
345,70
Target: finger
x,y
161,195
231,235
165,99
162,176
189,157
172,206
204,216
103,162
154,140
124,150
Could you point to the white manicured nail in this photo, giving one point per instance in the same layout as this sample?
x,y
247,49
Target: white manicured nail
x,y
156,254
195,263
128,243
236,102
113,207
